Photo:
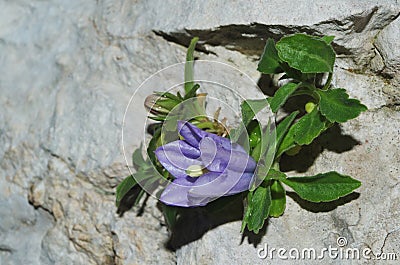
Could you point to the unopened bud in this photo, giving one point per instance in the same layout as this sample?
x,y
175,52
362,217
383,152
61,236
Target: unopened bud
x,y
151,105
310,107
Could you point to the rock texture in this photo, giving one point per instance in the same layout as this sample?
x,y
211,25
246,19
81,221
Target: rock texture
x,y
68,71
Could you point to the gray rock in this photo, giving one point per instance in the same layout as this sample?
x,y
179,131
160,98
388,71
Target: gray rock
x,y
388,46
69,70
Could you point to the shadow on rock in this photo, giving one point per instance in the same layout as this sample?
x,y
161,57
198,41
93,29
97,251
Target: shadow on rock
x,y
255,239
192,223
332,140
129,200
322,206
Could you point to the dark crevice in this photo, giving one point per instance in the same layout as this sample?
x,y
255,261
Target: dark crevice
x,y
115,257
246,39
7,249
43,208
183,38
361,21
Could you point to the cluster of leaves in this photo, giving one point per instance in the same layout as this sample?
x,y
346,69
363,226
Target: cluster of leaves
x,y
160,106
300,59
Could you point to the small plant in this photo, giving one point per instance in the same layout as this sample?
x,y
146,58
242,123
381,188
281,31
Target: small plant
x,y
207,160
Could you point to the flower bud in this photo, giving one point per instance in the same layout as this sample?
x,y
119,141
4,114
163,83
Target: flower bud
x,y
310,106
157,105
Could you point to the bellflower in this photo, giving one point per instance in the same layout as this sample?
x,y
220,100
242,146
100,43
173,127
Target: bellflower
x,y
205,166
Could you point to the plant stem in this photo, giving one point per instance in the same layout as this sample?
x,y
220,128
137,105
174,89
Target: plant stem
x,y
328,82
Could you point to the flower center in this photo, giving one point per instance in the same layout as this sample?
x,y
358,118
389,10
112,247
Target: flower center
x,y
195,171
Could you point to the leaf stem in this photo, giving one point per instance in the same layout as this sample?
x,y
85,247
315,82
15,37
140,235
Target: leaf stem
x,y
310,90
328,82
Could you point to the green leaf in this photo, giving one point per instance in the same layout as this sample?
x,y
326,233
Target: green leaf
x,y
269,63
153,145
137,158
287,142
306,53
170,214
168,95
257,210
158,118
166,103
189,77
250,108
323,187
291,72
303,132
281,95
254,131
265,149
336,106
309,127
192,92
328,39
283,127
275,174
123,188
278,199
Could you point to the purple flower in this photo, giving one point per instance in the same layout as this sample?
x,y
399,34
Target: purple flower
x,y
205,166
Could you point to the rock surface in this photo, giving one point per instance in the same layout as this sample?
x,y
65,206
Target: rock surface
x,y
68,71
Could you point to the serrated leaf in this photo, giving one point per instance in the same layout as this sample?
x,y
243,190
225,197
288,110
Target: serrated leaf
x,y
336,105
303,132
283,127
281,95
306,53
269,62
123,188
323,187
189,77
278,199
250,108
257,210
309,127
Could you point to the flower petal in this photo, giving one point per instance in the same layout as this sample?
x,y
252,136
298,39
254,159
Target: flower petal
x,y
190,133
227,183
216,157
196,194
193,135
242,185
177,156
176,193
